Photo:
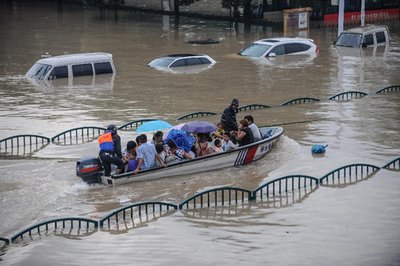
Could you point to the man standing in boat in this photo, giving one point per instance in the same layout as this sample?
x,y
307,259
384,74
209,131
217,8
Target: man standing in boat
x,y
228,118
110,150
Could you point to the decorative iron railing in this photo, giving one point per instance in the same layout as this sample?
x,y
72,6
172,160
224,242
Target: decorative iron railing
x,y
348,95
5,240
195,114
394,88
252,107
137,210
213,197
135,124
393,165
285,184
15,142
349,174
302,100
54,224
77,135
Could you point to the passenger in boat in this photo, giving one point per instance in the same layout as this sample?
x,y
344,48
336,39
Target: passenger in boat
x,y
253,127
202,145
217,147
227,143
244,135
132,161
130,145
219,132
147,155
157,137
179,154
228,118
110,150
161,152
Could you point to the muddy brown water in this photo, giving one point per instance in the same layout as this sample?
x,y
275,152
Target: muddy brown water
x,y
350,225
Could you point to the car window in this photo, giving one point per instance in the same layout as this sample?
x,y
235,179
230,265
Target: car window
x,y
179,63
59,72
193,61
255,50
278,50
349,39
205,60
82,70
380,37
369,39
103,68
291,48
38,71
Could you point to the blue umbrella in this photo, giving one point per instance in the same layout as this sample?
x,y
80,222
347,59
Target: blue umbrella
x,y
182,139
153,126
199,127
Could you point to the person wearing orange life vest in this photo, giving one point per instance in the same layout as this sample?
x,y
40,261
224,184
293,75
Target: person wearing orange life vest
x,y
110,150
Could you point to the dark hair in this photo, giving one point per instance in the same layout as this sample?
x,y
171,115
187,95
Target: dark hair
x,y
249,118
138,140
235,102
171,144
228,134
130,145
159,147
244,123
143,138
158,134
217,141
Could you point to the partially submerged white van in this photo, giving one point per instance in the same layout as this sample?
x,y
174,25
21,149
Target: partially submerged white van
x,y
370,35
72,65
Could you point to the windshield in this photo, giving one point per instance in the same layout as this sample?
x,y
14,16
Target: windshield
x,y
161,62
38,71
255,50
349,39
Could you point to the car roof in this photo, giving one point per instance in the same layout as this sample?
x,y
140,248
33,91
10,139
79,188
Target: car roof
x,y
367,28
75,58
283,40
173,56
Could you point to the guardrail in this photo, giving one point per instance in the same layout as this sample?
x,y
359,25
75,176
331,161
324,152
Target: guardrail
x,y
195,114
300,101
389,89
348,95
275,191
23,141
78,135
135,123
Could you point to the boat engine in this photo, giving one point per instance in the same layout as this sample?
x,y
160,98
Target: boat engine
x,y
89,169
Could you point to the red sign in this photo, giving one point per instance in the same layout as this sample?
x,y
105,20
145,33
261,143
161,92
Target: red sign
x,y
370,16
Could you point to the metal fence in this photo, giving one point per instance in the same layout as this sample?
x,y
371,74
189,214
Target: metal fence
x,y
276,193
344,96
389,89
195,115
300,101
135,123
78,135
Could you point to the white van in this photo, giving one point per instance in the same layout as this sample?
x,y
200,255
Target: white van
x,y
72,65
370,35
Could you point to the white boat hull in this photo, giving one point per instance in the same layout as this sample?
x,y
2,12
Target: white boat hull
x,y
240,156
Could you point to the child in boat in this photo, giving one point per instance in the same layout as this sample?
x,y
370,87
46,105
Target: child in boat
x,y
202,145
227,143
178,153
217,147
132,161
219,132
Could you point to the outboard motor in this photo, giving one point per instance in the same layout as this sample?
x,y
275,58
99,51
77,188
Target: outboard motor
x,y
89,169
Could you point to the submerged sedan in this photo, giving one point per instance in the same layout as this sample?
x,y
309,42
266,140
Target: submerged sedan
x,y
279,46
174,62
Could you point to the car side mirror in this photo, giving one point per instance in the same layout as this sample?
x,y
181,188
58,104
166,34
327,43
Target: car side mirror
x,y
364,45
271,54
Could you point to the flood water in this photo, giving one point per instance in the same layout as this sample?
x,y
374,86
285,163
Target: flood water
x,y
355,224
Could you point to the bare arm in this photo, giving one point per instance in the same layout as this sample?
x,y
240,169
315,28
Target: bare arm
x,y
139,165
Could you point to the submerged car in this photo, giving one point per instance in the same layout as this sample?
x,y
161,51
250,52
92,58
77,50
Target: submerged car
x,y
181,60
370,35
72,65
279,46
